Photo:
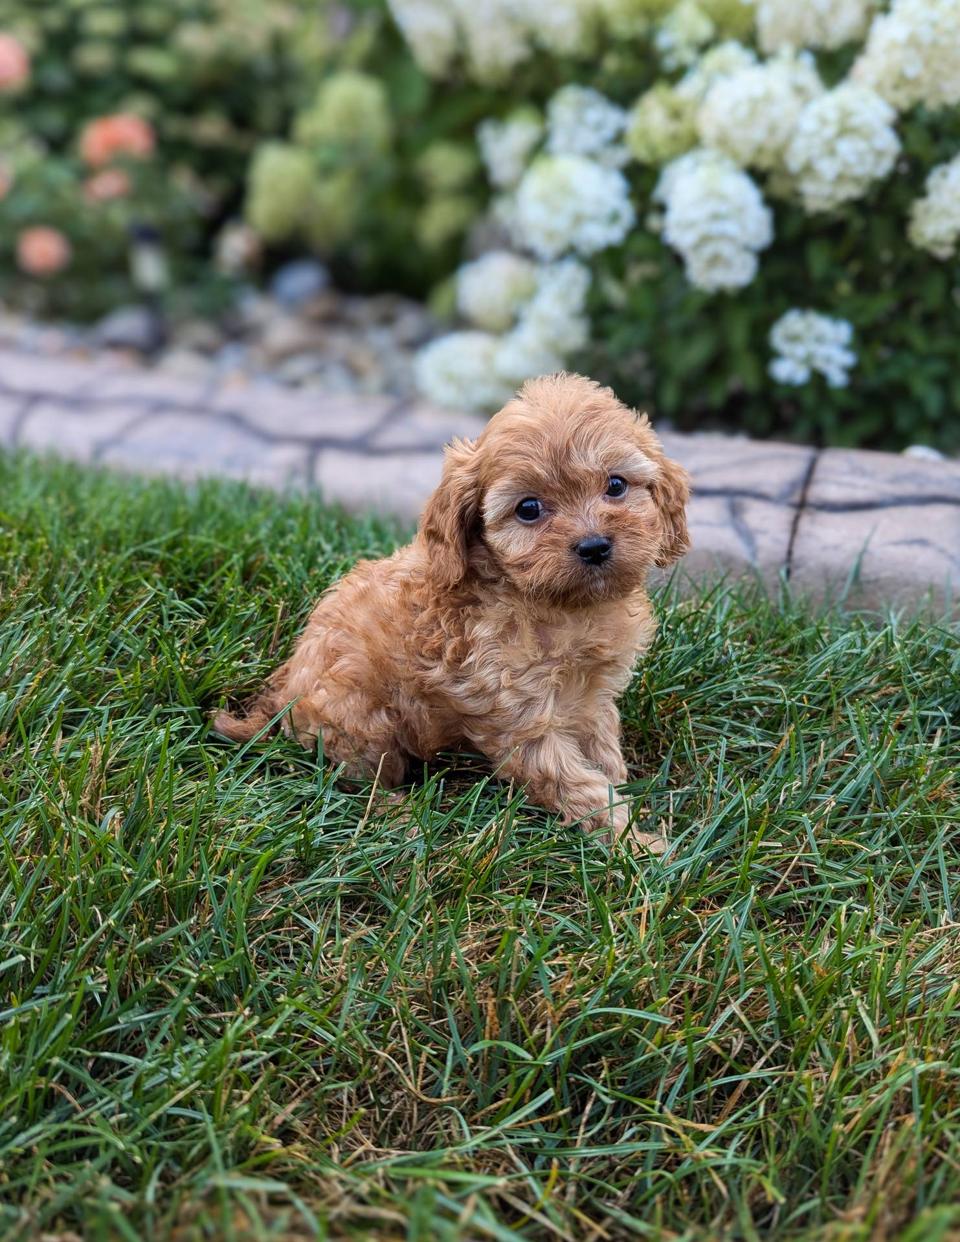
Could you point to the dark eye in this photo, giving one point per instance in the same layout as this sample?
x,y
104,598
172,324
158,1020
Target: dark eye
x,y
528,510
616,486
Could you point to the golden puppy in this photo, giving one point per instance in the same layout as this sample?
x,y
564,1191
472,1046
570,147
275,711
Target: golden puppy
x,y
512,622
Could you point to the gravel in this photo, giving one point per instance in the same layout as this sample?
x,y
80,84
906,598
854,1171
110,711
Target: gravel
x,y
303,334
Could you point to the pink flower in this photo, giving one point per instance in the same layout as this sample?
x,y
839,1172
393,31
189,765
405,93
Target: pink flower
x,y
42,251
109,136
104,186
14,64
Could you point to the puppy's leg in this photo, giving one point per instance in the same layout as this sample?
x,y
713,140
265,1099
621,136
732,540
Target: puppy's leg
x,y
601,747
356,733
558,777
599,740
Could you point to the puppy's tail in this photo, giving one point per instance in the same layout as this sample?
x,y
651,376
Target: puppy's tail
x,y
257,715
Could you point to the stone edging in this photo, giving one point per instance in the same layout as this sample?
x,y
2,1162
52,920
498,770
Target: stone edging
x,y
884,527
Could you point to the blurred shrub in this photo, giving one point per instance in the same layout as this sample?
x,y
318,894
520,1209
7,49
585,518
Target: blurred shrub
x,y
205,79
308,116
762,201
93,213
740,212
377,170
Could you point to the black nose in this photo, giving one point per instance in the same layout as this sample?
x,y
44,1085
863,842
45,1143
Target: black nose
x,y
595,549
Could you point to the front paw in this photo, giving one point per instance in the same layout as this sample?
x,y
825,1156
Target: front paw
x,y
608,822
613,825
645,842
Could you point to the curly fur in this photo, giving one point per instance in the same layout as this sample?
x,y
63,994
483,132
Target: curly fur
x,y
492,633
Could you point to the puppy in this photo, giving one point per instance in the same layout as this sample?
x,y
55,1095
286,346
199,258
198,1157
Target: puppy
x,y
512,622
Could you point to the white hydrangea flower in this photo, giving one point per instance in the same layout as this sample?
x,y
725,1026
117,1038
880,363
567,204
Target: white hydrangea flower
x,y
506,146
487,32
716,265
810,23
430,28
562,27
751,114
458,371
557,310
681,35
567,202
630,19
806,342
935,218
844,142
661,125
551,326
480,370
492,289
912,54
581,121
523,354
718,62
503,215
715,218
495,35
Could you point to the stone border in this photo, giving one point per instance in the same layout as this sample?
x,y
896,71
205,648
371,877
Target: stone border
x,y
882,529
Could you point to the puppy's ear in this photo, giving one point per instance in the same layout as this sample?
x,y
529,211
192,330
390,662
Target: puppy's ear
x,y
452,514
671,493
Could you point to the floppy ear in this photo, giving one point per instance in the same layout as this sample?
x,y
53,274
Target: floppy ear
x,y
671,493
452,513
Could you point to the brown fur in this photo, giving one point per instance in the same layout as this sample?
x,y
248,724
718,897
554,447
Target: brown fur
x,y
492,633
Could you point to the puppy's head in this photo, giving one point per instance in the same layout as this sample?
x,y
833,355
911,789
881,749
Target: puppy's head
x,y
566,494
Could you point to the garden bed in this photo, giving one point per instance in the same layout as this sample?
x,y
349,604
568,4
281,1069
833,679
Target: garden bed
x,y
312,338
244,1002
743,215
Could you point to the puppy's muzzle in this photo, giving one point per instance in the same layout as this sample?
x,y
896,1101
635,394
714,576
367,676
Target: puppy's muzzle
x,y
594,550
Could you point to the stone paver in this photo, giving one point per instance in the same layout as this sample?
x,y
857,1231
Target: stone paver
x,y
51,425
886,526
881,528
61,377
11,411
745,501
395,485
168,443
423,424
281,413
147,389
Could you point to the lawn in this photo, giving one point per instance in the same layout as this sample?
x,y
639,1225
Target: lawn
x,y
241,1002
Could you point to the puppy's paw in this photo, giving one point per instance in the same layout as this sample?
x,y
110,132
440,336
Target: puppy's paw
x,y
630,835
609,823
645,842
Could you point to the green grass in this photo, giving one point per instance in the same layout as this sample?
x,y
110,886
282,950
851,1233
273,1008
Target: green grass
x,y
241,1002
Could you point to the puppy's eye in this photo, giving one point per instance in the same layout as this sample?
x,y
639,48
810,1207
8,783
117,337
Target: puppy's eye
x,y
616,486
528,510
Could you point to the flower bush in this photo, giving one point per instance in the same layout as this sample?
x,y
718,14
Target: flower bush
x,y
378,169
542,311
740,212
935,218
762,199
308,119
132,112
